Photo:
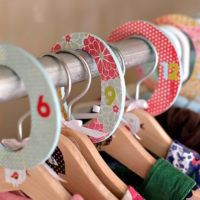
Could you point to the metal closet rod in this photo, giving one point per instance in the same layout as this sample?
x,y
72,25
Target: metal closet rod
x,y
133,51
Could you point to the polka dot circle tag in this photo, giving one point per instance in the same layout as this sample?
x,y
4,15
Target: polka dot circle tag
x,y
169,83
45,110
112,80
191,89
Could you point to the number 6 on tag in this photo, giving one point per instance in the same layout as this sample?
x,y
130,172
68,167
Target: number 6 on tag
x,y
43,107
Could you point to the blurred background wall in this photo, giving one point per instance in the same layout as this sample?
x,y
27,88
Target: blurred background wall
x,y
36,25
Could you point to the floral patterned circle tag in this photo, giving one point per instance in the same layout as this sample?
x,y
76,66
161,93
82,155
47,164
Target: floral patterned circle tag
x,y
191,89
169,83
112,80
45,110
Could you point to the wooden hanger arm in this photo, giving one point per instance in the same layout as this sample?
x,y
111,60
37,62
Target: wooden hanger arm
x,y
127,150
195,195
39,185
44,189
152,135
79,177
98,165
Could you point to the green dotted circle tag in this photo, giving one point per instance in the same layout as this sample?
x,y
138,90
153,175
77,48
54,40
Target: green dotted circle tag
x,y
45,110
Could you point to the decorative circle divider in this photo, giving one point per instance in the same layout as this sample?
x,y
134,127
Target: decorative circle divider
x,y
191,89
169,83
45,110
112,80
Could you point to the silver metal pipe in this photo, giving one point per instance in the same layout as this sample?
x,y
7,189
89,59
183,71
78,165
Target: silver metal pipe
x,y
133,51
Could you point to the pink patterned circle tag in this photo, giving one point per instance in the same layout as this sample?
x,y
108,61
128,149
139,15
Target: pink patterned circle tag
x,y
169,83
112,80
191,89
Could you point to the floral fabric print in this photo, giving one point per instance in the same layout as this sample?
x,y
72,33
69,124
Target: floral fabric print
x,y
185,159
56,161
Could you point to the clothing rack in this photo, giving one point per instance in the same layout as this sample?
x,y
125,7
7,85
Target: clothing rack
x,y
133,51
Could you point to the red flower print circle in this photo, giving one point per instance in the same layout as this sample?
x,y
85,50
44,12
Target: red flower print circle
x,y
104,60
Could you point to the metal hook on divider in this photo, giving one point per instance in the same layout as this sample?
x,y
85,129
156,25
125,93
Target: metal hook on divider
x,y
85,64
66,69
137,93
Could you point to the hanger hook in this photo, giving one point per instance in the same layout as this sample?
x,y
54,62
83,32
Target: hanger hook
x,y
20,125
85,64
137,93
66,69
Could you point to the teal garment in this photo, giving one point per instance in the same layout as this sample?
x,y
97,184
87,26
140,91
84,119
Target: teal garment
x,y
164,182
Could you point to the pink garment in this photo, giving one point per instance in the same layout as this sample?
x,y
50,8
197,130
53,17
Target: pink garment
x,y
77,197
131,194
11,196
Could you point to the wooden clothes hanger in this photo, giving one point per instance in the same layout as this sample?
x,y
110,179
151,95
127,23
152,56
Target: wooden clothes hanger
x,y
98,165
128,151
152,135
78,175
39,185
